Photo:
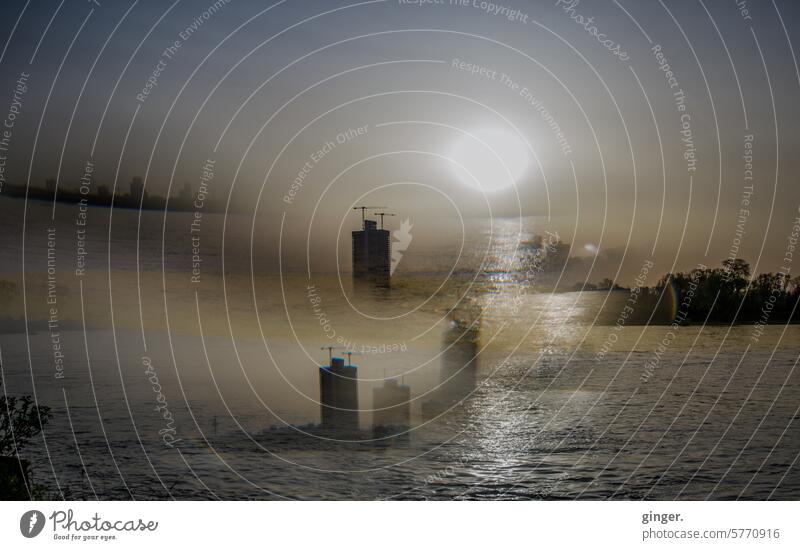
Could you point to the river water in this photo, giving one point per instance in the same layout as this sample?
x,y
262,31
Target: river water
x,y
551,396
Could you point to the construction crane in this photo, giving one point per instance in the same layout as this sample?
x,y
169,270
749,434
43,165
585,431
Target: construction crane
x,y
363,208
330,352
350,355
382,214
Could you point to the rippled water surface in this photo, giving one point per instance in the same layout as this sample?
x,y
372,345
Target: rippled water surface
x,y
543,398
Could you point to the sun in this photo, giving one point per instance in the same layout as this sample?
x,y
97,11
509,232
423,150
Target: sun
x,y
490,160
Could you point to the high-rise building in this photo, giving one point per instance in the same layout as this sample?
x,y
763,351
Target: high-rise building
x,y
392,404
458,371
185,195
372,254
137,190
338,395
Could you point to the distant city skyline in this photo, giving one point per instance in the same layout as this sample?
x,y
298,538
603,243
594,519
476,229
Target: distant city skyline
x,y
635,144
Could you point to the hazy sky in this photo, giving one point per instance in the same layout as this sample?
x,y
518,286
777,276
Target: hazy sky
x,y
587,125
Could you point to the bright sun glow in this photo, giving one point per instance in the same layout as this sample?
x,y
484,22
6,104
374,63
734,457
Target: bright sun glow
x,y
491,160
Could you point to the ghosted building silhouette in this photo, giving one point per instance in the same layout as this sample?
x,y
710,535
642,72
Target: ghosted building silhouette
x,y
338,395
556,258
392,404
458,370
372,255
185,195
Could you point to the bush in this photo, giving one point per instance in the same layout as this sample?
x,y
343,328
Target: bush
x,y
21,419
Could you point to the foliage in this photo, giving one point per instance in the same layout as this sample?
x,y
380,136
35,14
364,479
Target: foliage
x,y
728,294
21,419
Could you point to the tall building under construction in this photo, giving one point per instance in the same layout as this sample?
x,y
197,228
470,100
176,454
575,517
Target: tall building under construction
x,y
372,254
338,395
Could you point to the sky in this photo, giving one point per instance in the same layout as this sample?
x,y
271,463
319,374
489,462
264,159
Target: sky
x,y
307,109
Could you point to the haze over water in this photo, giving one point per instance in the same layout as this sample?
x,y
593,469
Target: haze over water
x,y
541,417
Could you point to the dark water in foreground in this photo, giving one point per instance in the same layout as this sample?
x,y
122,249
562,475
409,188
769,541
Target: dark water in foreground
x,y
548,422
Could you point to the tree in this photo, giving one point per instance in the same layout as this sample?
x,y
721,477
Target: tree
x,y
20,420
605,284
793,285
738,271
